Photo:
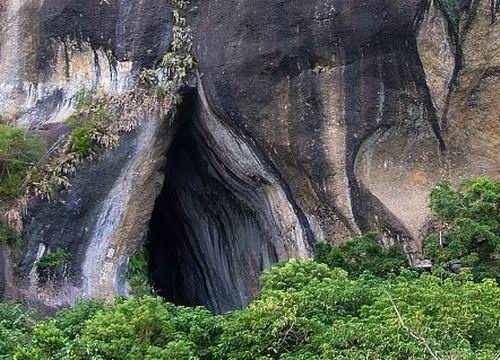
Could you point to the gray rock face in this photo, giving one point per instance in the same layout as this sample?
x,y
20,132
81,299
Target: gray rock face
x,y
222,218
309,120
311,83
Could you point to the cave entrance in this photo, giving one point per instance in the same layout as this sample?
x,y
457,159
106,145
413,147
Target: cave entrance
x,y
205,243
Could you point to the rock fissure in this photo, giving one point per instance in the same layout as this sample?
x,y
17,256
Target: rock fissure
x,y
221,219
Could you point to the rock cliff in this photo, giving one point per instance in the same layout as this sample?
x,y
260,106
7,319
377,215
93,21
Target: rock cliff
x,y
302,121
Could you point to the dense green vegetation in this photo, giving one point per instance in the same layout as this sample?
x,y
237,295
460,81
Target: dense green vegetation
x,y
471,213
19,151
363,254
355,301
90,119
138,274
16,326
305,311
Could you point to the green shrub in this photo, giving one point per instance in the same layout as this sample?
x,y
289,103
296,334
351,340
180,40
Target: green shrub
x,y
72,321
472,212
19,152
54,260
15,329
305,310
138,274
129,329
81,140
9,236
51,264
363,254
84,139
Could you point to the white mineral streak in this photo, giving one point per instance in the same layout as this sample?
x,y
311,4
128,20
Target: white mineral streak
x,y
102,259
86,69
11,54
236,154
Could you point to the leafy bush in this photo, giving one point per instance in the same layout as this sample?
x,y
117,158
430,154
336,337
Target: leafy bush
x,y
19,152
91,123
8,235
54,260
141,328
138,274
51,264
15,329
306,310
472,212
411,317
363,254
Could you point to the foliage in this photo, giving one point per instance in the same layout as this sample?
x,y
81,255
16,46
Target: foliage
x,y
138,274
472,213
141,328
15,327
8,235
179,59
52,263
72,321
93,130
98,122
363,254
306,310
84,99
178,63
54,260
411,317
19,152
91,122
371,308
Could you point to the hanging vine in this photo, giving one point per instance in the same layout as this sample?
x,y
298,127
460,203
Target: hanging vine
x,y
175,66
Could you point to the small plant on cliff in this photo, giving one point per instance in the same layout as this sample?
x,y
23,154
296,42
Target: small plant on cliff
x,y
363,254
138,274
98,123
178,63
93,130
472,214
52,264
19,152
8,235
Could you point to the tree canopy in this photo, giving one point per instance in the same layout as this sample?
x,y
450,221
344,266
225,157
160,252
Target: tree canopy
x,y
356,301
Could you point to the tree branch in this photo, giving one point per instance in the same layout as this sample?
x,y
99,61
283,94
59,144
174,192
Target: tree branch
x,y
420,339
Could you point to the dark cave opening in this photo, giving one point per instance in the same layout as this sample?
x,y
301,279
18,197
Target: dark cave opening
x,y
167,246
206,243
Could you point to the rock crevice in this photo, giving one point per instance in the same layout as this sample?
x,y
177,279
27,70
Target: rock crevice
x,y
222,218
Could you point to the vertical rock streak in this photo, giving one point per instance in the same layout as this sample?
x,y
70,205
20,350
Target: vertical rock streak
x,y
223,217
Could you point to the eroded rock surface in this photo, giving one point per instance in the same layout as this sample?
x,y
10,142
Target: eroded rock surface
x,y
311,120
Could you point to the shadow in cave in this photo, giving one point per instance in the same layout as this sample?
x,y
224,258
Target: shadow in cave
x,y
205,244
